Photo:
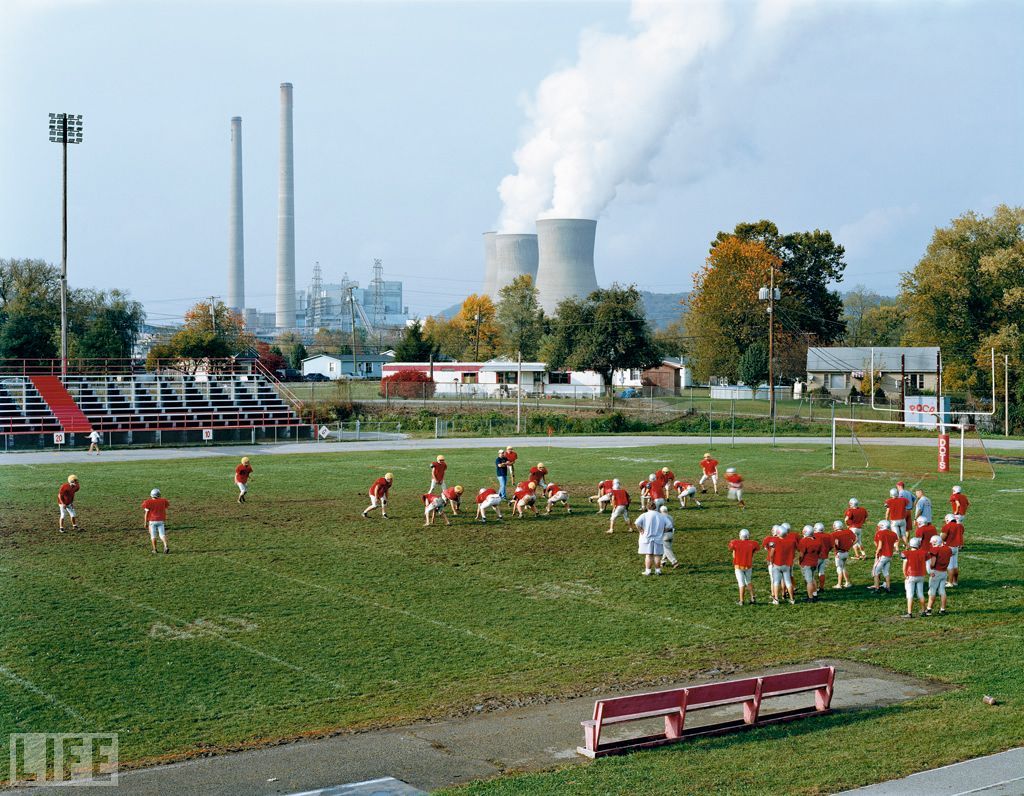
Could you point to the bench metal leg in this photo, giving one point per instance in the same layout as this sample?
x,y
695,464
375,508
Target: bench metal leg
x,y
674,725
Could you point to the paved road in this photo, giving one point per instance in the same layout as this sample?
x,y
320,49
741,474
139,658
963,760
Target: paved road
x,y
625,441
994,775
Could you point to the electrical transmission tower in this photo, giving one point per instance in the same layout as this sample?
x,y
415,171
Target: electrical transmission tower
x,y
377,284
317,299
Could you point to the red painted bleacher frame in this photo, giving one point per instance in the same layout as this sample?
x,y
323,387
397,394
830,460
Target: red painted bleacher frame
x,y
675,704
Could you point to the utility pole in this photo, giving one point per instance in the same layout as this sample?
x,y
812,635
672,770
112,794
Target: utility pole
x,y
476,356
213,312
352,315
1006,395
65,128
770,294
903,386
519,393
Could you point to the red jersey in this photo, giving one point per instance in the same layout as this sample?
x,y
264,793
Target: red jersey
x,y
954,534
620,497
657,490
887,539
926,532
452,495
940,557
525,486
552,489
380,487
844,539
769,550
856,518
785,547
682,486
825,543
809,548
743,552
242,473
735,480
437,470
915,560
709,466
430,497
521,492
537,475
897,507
959,502
66,493
157,509
605,487
511,456
665,478
482,496
645,486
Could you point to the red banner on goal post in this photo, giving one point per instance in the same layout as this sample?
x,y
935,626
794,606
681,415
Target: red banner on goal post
x,y
943,453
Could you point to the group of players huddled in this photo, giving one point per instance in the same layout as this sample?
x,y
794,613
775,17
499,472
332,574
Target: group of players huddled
x,y
927,553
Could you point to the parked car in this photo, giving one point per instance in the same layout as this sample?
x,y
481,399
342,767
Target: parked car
x,y
316,377
288,374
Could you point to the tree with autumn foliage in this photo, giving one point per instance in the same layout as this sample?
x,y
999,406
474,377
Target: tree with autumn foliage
x,y
211,332
724,316
473,334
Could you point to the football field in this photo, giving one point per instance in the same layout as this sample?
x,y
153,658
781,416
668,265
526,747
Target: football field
x,y
291,615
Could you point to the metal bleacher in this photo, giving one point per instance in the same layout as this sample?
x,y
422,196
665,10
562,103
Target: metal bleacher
x,y
132,403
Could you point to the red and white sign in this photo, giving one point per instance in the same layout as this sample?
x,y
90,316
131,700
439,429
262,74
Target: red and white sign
x,y
922,411
943,453
58,437
207,434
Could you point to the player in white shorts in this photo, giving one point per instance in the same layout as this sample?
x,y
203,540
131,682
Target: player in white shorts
x,y
557,495
686,491
603,496
154,516
667,536
620,505
487,499
433,506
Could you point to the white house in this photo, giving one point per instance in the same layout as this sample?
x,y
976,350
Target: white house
x,y
335,366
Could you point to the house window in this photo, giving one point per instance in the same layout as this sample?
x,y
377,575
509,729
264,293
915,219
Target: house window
x,y
836,381
915,381
508,377
469,378
330,367
634,374
559,377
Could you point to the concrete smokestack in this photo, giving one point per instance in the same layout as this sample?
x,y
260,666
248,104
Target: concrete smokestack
x,y
236,252
286,217
566,265
490,265
515,255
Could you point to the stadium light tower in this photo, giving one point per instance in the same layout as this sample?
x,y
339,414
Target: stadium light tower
x,y
770,294
65,128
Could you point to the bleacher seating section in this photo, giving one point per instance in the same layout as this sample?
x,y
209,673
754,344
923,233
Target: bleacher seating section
x,y
141,402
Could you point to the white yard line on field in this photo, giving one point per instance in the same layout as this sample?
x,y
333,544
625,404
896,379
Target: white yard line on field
x,y
28,685
394,609
988,559
1007,540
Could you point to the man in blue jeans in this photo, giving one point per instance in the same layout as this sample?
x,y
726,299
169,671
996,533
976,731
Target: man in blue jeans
x,y
501,469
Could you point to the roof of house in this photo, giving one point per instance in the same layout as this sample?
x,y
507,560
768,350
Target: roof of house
x,y
843,359
348,357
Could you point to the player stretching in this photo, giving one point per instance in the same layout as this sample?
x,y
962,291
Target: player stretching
x,y
886,542
953,533
154,516
743,550
525,498
645,493
844,540
709,468
855,518
735,482
437,470
379,496
620,505
914,559
66,502
603,496
656,492
487,499
453,495
557,495
433,506
685,490
242,474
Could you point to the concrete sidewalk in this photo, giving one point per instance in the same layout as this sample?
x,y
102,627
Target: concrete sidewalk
x,y
432,755
447,443
994,775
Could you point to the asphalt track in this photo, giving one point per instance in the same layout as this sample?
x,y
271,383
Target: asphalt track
x,y
449,443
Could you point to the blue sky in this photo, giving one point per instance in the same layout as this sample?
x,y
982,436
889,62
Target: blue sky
x,y
876,120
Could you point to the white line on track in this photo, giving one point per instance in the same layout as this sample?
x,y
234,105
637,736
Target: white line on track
x,y
28,685
219,636
384,607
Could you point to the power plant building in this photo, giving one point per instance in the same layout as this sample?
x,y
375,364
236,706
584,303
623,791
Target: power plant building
x,y
566,260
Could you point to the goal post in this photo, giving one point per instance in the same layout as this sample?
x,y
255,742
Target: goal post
x,y
956,446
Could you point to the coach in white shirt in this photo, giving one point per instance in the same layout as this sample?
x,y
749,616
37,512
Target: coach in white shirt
x,y
651,546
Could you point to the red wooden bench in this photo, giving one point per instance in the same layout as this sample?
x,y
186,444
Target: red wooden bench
x,y
674,705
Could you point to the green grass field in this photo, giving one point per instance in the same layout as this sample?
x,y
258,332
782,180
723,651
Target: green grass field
x,y
291,615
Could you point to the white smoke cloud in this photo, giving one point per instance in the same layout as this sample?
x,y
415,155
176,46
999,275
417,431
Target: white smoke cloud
x,y
598,124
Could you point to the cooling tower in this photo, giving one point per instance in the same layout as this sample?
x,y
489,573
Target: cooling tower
x,y
514,255
566,264
490,266
285,317
236,254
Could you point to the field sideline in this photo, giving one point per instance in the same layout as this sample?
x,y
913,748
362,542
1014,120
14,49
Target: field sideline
x,y
291,615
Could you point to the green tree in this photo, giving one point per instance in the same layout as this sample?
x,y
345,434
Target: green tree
x,y
412,347
327,341
298,353
446,336
103,325
605,332
872,319
520,317
211,332
809,263
29,310
753,364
